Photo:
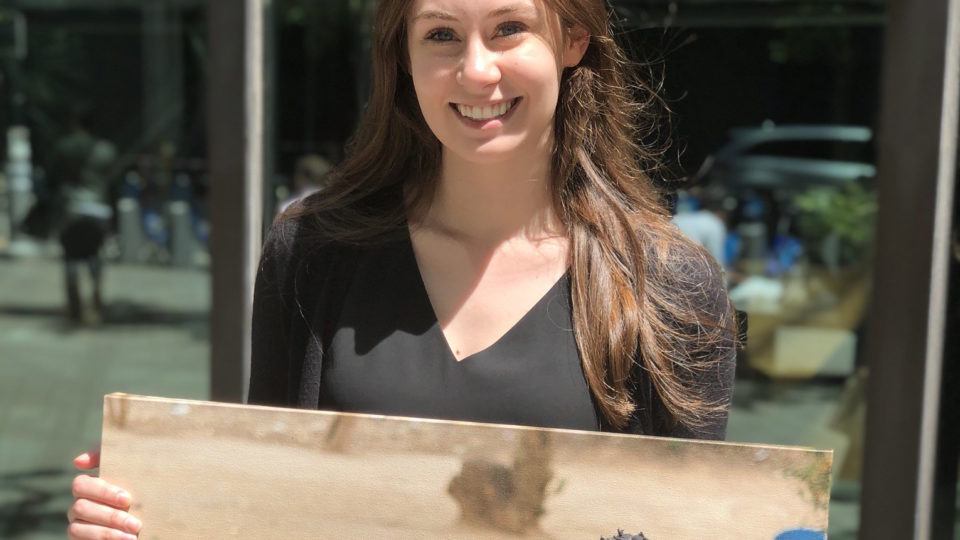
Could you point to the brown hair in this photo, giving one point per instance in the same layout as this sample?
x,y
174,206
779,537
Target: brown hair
x,y
631,305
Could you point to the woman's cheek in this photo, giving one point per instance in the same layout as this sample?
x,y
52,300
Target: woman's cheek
x,y
426,89
432,83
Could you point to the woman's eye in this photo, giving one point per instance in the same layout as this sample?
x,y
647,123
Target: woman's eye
x,y
510,28
441,35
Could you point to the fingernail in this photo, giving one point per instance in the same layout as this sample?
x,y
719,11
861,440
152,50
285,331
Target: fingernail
x,y
123,497
133,524
129,536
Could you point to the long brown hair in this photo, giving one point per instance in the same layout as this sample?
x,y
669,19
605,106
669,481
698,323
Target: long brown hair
x,y
631,305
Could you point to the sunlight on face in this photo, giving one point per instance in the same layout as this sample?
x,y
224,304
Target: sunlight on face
x,y
487,74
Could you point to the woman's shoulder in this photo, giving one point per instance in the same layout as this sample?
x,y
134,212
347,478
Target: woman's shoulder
x,y
294,240
689,290
688,272
318,235
299,230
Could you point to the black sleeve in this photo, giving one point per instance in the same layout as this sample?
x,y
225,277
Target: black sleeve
x,y
712,346
708,346
716,387
271,355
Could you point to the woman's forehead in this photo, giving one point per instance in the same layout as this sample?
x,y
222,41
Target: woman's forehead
x,y
456,9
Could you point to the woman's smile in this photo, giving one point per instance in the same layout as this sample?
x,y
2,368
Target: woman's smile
x,y
485,116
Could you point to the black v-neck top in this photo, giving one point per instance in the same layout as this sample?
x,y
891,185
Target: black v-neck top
x,y
388,355
351,328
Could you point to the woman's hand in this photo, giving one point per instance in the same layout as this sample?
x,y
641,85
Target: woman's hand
x,y
99,510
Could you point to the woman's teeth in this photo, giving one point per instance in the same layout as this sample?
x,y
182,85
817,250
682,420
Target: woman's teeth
x,y
487,112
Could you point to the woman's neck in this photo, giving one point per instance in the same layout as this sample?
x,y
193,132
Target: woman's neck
x,y
488,204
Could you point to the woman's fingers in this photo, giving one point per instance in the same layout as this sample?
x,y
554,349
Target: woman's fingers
x,y
81,530
99,490
99,511
87,460
89,512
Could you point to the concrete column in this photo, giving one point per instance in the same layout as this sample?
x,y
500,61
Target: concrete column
x,y
235,124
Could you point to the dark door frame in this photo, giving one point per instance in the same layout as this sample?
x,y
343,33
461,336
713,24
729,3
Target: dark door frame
x,y
906,336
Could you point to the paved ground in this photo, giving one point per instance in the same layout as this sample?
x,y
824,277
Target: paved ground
x,y
154,341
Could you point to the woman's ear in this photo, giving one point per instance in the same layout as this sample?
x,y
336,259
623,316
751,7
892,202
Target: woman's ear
x,y
575,46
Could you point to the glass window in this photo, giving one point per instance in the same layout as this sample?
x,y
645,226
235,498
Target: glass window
x,y
315,113
104,284
775,122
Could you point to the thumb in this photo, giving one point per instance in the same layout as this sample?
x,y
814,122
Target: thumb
x,y
88,460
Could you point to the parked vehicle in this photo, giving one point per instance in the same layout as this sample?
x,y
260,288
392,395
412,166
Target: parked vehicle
x,y
791,157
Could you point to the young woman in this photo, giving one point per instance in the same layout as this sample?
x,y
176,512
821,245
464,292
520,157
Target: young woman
x,y
490,250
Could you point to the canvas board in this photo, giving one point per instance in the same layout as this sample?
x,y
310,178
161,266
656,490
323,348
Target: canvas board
x,y
212,470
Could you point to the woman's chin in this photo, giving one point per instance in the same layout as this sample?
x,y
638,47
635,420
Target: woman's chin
x,y
498,150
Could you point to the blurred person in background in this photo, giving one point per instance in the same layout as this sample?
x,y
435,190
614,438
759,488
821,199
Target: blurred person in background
x,y
702,217
309,176
492,248
82,166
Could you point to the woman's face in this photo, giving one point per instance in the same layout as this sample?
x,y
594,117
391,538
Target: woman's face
x,y
487,73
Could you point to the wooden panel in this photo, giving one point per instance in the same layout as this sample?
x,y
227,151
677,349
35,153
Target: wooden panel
x,y
211,470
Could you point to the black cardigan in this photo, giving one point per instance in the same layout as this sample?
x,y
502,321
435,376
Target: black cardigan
x,y
299,293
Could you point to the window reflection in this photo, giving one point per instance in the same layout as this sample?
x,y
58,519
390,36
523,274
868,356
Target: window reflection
x,y
103,231
774,118
775,127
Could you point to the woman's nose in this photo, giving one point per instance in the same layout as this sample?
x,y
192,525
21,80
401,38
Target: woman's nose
x,y
479,66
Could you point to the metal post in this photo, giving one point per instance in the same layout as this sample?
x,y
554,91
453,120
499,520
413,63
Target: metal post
x,y
129,229
236,152
182,244
269,200
948,448
19,173
905,344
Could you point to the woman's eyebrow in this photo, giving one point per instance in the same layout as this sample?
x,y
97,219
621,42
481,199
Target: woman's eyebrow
x,y
433,14
512,9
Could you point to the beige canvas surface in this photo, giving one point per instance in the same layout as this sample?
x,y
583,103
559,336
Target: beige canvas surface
x,y
210,470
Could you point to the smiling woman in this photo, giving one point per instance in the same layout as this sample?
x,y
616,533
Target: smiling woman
x,y
497,69
492,248
455,231
489,217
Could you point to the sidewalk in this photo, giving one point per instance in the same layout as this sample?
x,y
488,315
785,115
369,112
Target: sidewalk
x,y
153,340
